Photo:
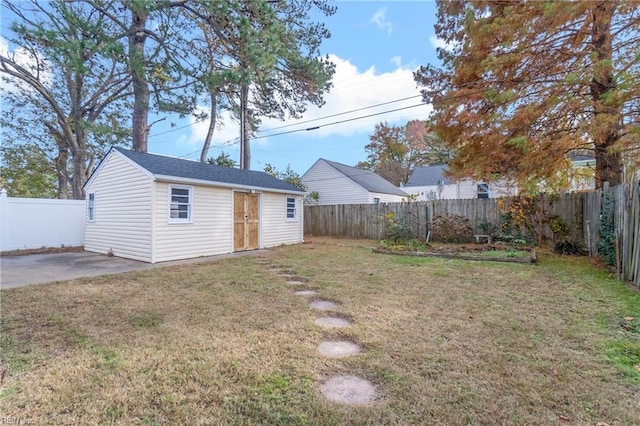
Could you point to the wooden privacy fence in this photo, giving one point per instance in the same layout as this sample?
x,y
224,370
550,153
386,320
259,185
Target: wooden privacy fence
x,y
580,212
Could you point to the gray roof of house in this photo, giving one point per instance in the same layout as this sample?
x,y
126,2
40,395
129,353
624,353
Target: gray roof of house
x,y
428,176
367,179
176,167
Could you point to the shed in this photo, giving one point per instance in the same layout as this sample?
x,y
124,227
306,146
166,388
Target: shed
x,y
337,183
154,208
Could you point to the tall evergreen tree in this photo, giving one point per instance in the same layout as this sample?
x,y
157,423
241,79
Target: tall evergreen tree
x,y
64,78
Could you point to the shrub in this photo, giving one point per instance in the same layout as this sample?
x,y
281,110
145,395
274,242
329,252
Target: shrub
x,y
606,228
399,228
451,229
566,246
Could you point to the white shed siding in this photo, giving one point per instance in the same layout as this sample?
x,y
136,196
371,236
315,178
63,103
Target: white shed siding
x,y
122,222
275,227
209,233
333,186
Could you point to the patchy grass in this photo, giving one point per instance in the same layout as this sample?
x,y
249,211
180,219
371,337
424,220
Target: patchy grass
x,y
444,341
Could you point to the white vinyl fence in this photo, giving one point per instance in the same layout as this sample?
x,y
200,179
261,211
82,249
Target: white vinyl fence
x,y
29,223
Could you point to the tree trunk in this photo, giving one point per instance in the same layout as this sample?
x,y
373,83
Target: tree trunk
x,y
137,38
245,148
79,174
212,127
608,163
62,172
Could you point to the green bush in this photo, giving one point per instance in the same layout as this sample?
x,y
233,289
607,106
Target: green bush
x,y
606,229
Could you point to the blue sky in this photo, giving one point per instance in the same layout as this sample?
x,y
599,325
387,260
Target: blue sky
x,y
376,46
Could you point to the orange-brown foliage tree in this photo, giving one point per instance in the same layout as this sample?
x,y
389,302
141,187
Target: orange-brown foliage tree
x,y
525,84
395,151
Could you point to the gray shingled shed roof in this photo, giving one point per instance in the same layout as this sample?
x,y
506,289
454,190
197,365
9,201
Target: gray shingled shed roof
x,y
367,179
428,176
175,167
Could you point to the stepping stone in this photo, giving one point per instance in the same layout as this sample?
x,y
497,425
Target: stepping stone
x,y
338,349
295,282
323,305
306,292
350,390
333,322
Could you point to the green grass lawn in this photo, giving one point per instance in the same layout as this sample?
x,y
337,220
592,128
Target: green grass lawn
x,y
444,341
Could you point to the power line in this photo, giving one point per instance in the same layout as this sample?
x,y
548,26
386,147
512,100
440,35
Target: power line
x,y
235,141
340,113
175,129
339,122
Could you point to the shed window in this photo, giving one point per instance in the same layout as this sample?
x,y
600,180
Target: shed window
x,y
180,204
292,213
483,190
91,206
376,200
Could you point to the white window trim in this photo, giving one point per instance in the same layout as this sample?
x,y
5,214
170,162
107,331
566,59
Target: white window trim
x,y
177,220
478,190
91,209
296,215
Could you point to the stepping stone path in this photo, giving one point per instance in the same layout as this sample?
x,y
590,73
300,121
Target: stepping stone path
x,y
338,349
349,390
306,292
333,322
323,305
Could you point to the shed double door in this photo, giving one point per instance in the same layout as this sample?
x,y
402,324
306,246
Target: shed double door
x,y
246,221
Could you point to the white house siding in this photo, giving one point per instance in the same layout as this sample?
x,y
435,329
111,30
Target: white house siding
x,y
122,223
334,187
464,189
210,231
275,227
385,198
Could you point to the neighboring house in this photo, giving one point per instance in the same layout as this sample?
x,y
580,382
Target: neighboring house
x,y
582,174
429,183
154,208
340,184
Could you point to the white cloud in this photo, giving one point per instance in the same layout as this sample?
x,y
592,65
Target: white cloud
x,y
358,90
24,59
353,89
439,43
397,61
226,129
380,19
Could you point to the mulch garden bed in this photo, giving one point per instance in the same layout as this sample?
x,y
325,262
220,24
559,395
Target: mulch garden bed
x,y
484,252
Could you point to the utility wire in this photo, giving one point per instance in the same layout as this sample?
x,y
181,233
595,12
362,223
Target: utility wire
x,y
297,123
236,140
340,113
338,122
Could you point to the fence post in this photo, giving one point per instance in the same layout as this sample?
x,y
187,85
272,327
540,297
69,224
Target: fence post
x,y
3,225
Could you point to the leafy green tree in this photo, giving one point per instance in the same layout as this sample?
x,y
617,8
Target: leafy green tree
x,y
64,87
288,175
27,171
523,84
223,160
260,58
